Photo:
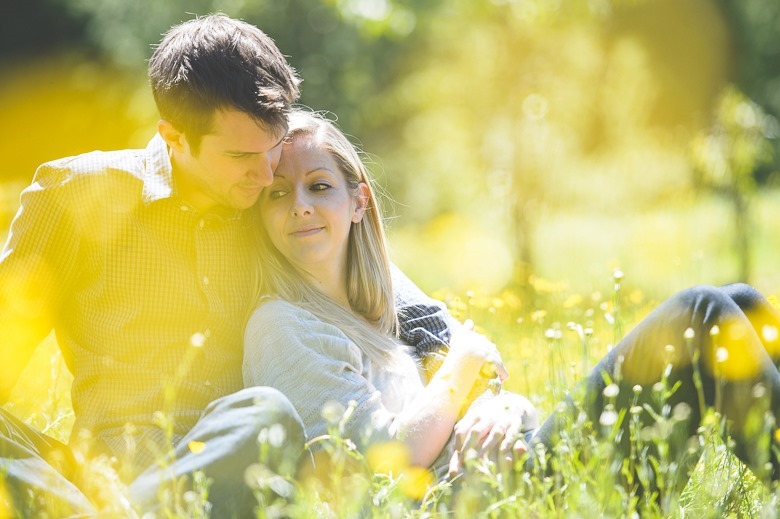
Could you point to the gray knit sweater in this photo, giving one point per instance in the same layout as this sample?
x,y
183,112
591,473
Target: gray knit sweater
x,y
314,363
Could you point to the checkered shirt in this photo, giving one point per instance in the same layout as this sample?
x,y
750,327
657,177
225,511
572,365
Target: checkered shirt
x,y
148,298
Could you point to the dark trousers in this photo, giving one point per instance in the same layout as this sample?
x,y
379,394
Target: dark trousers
x,y
727,360
33,463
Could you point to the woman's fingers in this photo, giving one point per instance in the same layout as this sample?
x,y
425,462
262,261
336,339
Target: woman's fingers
x,y
455,463
509,439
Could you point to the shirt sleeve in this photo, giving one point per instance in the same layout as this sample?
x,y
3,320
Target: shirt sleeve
x,y
36,265
424,323
314,364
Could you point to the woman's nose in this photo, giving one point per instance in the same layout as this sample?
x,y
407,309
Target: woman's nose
x,y
301,205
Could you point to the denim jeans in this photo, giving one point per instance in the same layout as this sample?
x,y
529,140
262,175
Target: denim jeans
x,y
33,462
727,360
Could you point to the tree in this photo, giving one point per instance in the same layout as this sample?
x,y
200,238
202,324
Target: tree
x,y
726,158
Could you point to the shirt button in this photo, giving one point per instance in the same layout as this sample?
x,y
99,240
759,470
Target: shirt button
x,y
202,224
184,208
205,280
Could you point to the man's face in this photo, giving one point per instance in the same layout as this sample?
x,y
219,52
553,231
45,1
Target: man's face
x,y
236,160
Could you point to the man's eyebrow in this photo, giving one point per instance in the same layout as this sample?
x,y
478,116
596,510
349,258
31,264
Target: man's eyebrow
x,y
243,152
319,168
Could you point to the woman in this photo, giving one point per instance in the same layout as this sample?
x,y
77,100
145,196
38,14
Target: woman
x,y
326,331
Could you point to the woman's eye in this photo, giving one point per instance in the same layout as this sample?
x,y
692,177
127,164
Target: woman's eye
x,y
320,186
276,193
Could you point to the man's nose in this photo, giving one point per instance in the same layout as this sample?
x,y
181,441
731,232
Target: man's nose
x,y
262,171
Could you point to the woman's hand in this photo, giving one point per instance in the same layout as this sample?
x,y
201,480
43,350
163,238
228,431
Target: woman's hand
x,y
472,347
472,362
495,429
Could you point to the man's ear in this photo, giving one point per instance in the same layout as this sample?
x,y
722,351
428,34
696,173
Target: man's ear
x,y
171,135
361,202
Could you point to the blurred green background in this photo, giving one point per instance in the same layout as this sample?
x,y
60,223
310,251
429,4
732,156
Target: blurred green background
x,y
518,141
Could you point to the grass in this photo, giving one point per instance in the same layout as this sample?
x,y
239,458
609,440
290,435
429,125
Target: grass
x,y
550,337
548,342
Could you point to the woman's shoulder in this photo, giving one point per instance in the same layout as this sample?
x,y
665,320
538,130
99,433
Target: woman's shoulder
x,y
280,324
284,317
281,312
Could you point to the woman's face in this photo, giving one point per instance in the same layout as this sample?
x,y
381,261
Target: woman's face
x,y
309,208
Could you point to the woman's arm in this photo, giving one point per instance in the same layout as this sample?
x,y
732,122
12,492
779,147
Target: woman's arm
x,y
427,422
314,363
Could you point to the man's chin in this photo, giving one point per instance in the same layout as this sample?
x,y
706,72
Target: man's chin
x,y
243,203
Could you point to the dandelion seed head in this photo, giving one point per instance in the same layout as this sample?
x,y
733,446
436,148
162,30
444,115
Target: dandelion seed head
x,y
255,475
332,412
611,391
769,333
608,418
689,334
276,435
681,412
637,389
715,331
721,355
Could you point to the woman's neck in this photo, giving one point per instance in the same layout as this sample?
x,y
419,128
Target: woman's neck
x,y
332,283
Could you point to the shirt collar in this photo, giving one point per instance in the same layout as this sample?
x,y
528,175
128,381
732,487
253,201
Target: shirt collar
x,y
158,177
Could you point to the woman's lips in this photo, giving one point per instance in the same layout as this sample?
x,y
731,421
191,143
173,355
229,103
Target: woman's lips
x,y
306,231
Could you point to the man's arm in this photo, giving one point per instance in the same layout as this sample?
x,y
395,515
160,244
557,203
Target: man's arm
x,y
35,264
424,323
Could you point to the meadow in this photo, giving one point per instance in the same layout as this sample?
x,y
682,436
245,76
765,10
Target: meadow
x,y
594,288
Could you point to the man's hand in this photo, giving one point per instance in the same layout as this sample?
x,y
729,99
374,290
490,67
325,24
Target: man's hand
x,y
494,429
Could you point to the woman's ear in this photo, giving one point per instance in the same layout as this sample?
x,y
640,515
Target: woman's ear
x,y
361,202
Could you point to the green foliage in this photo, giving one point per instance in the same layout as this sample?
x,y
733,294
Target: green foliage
x,y
548,341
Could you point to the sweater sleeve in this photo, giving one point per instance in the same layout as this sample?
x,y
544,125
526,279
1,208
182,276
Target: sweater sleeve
x,y
313,363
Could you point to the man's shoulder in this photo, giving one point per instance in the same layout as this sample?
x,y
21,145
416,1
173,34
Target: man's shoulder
x,y
96,163
141,165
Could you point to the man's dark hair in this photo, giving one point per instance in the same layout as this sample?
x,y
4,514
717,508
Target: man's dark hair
x,y
216,62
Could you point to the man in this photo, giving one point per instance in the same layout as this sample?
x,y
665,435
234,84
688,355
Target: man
x,y
143,262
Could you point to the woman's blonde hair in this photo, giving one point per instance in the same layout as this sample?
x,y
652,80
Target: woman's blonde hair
x,y
373,319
